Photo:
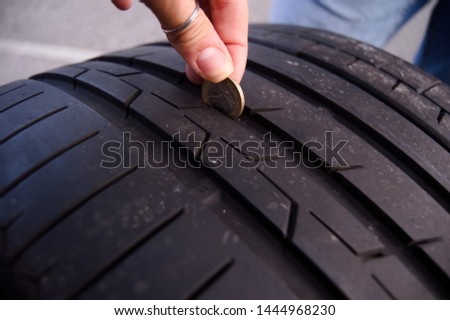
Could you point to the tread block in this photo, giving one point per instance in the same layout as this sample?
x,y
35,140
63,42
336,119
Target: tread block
x,y
181,99
9,87
259,282
328,38
153,109
362,106
255,31
217,266
171,122
113,69
350,46
334,215
99,77
162,57
327,252
316,35
47,149
107,229
418,105
29,112
329,55
21,93
368,53
303,122
244,138
280,41
128,54
43,145
256,90
151,56
422,109
66,73
34,196
7,218
111,87
444,124
370,77
144,277
438,251
411,75
373,76
397,280
259,192
440,94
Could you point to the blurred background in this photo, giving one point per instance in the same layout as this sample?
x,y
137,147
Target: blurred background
x,y
39,35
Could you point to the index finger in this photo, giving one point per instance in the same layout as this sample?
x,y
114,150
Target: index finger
x,y
230,20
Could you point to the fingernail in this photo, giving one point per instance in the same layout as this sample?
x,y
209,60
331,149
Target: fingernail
x,y
215,65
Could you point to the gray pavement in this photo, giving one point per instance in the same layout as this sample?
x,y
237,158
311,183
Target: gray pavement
x,y
39,35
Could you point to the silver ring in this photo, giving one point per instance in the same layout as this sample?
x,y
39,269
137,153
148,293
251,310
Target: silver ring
x,y
186,23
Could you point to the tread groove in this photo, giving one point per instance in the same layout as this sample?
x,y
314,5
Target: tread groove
x,y
22,100
416,172
132,98
436,279
441,115
383,287
156,94
51,75
12,89
262,110
131,73
82,95
81,202
209,279
288,246
421,242
132,248
291,258
206,131
382,96
379,95
163,73
48,159
334,233
290,228
4,229
30,124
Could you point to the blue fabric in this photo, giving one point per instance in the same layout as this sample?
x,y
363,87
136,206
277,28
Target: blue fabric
x,y
375,22
434,54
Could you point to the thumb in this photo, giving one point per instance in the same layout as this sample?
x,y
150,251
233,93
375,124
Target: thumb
x,y
199,44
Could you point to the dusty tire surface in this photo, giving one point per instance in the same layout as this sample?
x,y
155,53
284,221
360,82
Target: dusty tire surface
x,y
333,184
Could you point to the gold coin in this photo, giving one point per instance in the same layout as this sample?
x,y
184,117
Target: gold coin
x,y
225,96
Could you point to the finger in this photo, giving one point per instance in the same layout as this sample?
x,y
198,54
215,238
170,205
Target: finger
x,y
199,44
239,55
192,75
122,4
230,20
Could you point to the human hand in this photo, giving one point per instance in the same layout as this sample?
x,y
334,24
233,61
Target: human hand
x,y
215,44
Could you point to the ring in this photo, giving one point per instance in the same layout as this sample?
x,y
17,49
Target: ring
x,y
186,23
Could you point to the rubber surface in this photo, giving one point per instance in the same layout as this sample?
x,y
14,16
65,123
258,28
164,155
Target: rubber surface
x,y
371,222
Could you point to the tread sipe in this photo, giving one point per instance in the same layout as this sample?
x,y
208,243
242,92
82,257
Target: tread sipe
x,y
283,216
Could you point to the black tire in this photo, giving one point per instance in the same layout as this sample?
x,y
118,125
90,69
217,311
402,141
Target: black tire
x,y
371,221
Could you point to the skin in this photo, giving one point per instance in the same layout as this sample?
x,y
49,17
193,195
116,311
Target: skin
x,y
215,44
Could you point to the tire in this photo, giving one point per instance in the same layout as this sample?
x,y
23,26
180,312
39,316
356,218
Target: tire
x,y
97,204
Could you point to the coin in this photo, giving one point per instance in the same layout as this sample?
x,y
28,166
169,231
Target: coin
x,y
225,96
